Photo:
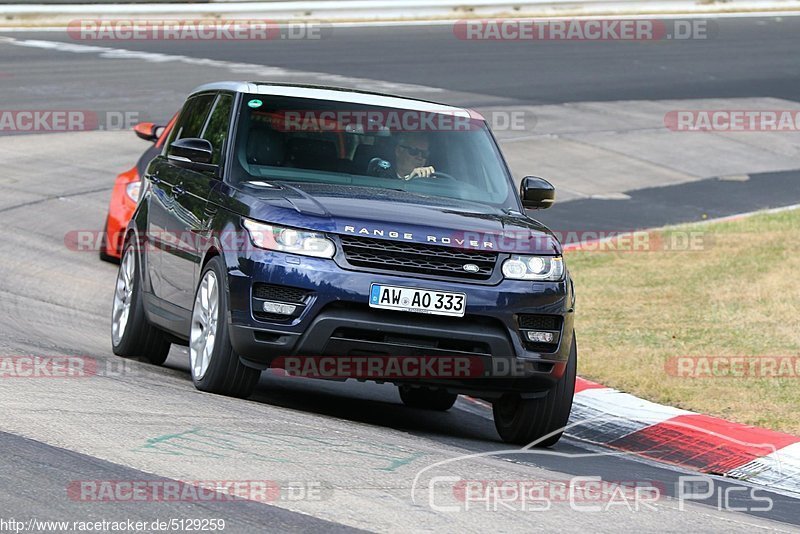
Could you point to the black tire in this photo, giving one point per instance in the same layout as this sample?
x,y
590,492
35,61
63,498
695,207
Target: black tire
x,y
103,243
140,339
426,399
522,421
226,375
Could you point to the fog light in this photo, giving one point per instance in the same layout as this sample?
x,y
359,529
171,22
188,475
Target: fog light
x,y
279,308
540,337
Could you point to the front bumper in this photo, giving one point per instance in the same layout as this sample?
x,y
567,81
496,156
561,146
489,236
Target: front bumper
x,y
337,321
120,212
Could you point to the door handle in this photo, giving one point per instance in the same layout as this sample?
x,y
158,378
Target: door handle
x,y
178,190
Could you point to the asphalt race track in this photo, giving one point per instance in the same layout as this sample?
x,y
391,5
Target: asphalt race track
x,y
741,57
349,452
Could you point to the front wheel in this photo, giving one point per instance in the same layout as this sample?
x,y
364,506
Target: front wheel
x,y
215,365
132,336
522,421
426,399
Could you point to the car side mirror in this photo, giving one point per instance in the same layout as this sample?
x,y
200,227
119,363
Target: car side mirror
x,y
192,153
147,131
537,193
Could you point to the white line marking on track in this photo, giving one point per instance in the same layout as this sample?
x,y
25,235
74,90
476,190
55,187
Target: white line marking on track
x,y
250,69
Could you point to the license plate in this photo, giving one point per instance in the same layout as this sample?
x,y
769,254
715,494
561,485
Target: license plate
x,y
417,300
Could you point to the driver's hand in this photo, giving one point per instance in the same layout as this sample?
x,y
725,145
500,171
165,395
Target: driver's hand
x,y
421,172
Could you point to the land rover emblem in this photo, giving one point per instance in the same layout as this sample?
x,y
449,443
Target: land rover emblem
x,y
471,268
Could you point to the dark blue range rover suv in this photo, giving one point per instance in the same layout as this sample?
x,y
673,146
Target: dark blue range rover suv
x,y
361,235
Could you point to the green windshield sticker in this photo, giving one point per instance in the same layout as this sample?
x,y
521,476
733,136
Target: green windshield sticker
x,y
255,103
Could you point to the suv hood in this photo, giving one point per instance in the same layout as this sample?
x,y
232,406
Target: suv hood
x,y
398,216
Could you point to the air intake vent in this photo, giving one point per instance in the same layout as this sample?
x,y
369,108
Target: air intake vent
x,y
540,322
279,293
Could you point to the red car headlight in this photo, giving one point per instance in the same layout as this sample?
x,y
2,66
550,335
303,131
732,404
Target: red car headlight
x,y
133,190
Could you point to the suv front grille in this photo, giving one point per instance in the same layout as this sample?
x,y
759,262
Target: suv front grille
x,y
417,258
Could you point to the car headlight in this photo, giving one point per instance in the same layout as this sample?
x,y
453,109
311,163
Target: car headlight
x,y
133,190
549,268
271,237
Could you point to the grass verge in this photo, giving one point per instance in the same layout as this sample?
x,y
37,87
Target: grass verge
x,y
712,327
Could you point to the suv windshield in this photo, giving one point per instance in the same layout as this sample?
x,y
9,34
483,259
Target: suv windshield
x,y
304,140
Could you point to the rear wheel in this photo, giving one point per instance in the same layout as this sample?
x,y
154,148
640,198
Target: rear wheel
x,y
132,336
522,421
215,366
426,399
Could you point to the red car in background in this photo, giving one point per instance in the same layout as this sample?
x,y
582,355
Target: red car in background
x,y
125,194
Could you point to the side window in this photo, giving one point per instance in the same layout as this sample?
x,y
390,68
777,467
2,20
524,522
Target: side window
x,y
193,117
216,130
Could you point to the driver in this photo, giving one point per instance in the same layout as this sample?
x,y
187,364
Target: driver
x,y
411,156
